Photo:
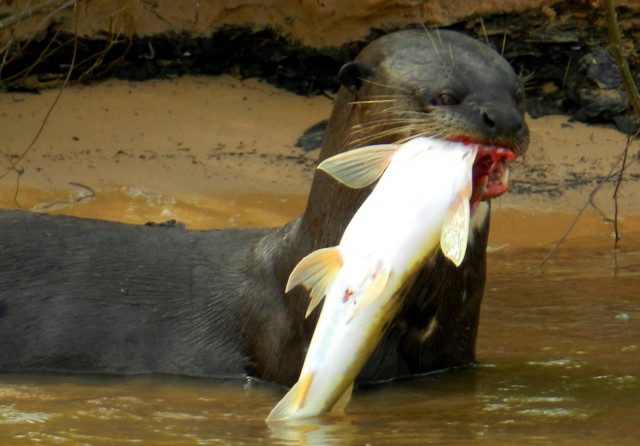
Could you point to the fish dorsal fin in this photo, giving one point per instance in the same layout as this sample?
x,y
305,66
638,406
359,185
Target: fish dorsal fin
x,y
293,400
344,399
316,272
373,290
359,168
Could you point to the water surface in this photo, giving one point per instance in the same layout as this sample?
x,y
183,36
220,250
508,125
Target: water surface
x,y
558,352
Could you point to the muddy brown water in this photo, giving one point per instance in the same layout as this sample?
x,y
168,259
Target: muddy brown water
x,y
558,350
558,360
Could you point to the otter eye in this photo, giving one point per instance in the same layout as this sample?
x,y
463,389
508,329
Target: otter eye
x,y
519,96
446,98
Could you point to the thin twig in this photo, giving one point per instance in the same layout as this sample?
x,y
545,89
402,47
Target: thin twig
x,y
618,54
630,86
40,26
15,195
28,12
14,164
634,99
581,211
615,200
617,188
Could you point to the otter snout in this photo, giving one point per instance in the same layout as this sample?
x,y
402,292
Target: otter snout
x,y
505,127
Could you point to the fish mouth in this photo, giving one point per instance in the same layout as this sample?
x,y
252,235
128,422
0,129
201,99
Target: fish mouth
x,y
491,172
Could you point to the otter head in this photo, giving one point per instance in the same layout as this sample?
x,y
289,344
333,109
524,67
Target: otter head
x,y
441,84
405,84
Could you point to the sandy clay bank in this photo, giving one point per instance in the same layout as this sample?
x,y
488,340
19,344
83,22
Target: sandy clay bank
x,y
219,152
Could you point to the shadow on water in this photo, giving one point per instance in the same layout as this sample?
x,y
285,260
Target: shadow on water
x,y
558,359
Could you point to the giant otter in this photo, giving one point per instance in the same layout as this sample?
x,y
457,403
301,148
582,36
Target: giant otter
x,y
96,297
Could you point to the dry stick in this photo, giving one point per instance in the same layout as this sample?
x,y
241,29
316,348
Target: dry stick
x,y
612,172
615,200
26,13
618,54
13,164
40,25
634,98
629,84
581,211
615,192
45,53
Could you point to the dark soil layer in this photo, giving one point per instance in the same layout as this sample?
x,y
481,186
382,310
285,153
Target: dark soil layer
x,y
564,58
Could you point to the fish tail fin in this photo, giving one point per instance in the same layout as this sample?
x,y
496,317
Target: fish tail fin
x,y
359,168
316,272
292,401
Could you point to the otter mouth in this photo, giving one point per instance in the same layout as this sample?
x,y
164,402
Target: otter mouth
x,y
490,173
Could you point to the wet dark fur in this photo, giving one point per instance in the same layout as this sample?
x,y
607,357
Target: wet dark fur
x,y
96,297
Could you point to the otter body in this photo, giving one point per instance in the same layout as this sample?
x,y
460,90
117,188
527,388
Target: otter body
x,y
96,297
90,296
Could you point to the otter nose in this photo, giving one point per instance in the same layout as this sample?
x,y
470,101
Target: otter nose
x,y
504,123
488,120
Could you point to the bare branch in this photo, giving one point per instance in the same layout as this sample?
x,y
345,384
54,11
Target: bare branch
x,y
43,6
618,54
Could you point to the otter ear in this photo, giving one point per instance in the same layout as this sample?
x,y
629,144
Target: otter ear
x,y
352,74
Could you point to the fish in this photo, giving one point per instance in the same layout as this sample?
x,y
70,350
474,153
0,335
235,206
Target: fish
x,y
420,203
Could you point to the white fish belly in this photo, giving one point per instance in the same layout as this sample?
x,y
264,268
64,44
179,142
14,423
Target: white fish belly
x,y
398,227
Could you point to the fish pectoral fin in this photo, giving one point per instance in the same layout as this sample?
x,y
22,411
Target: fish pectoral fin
x,y
360,167
455,231
373,290
293,400
344,399
316,272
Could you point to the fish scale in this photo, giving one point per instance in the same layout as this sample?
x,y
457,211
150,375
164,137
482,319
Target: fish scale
x,y
420,203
